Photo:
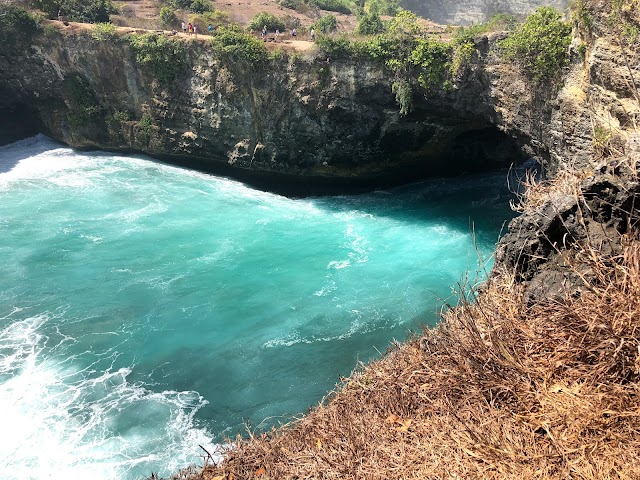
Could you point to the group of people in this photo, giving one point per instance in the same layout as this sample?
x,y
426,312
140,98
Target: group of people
x,y
189,29
294,33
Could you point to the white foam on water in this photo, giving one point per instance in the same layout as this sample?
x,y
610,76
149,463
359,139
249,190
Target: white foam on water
x,y
63,421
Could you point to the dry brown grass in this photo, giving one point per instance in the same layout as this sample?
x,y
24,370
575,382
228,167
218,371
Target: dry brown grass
x,y
497,390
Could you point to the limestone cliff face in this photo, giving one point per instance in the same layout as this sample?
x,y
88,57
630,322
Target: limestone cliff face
x,y
464,12
311,117
594,145
313,120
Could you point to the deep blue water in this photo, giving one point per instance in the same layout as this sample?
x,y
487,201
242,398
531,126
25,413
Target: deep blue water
x,y
146,309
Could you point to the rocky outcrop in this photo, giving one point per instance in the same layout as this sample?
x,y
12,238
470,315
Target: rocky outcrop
x,y
590,214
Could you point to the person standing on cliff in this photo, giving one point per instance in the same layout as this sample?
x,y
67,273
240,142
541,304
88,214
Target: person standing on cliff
x,y
184,27
313,35
264,32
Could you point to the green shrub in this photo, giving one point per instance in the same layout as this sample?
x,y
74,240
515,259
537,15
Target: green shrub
x,y
233,44
120,116
404,96
17,29
216,18
163,56
369,24
404,22
326,24
272,22
540,45
582,51
340,6
77,10
431,56
50,31
393,50
462,54
104,32
200,6
582,16
383,7
82,100
336,47
146,127
167,16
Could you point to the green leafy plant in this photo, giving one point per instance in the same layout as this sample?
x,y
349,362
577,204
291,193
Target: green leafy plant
x,y
82,100
326,24
200,6
146,127
120,116
50,31
582,51
382,7
340,6
267,19
232,43
17,29
77,10
404,22
163,56
104,32
582,16
462,54
336,47
167,16
404,95
540,44
431,56
369,24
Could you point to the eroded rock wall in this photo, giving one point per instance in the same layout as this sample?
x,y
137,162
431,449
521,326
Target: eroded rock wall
x,y
465,12
308,117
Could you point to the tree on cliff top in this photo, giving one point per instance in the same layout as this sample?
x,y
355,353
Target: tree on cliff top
x,y
540,44
78,10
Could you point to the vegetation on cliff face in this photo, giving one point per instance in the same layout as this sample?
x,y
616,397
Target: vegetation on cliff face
x,y
540,45
163,56
17,29
83,103
78,11
232,44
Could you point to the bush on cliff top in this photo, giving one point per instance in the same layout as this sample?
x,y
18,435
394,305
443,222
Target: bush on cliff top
x,y
540,45
163,56
266,19
89,11
17,29
369,24
231,43
326,24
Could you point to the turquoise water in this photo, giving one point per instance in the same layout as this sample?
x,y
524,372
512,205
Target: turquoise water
x,y
146,309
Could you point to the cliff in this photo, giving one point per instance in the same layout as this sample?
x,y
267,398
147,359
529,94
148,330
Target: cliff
x,y
306,118
310,119
464,12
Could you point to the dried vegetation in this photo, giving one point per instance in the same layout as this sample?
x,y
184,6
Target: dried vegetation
x,y
500,389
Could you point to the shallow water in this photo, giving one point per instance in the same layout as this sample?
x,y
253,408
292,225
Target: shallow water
x,y
146,309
